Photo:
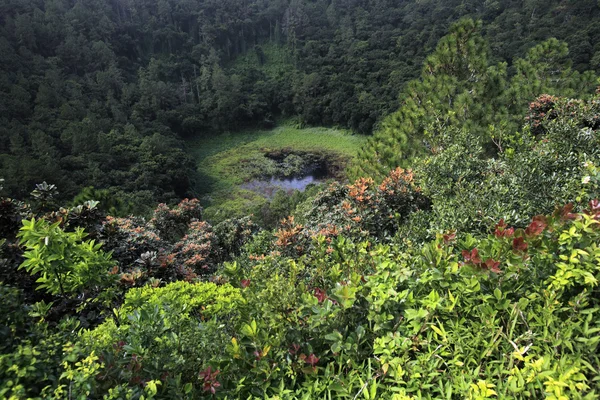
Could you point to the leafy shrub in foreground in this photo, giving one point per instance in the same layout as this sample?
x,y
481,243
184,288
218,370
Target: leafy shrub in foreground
x,y
510,315
160,338
65,262
31,352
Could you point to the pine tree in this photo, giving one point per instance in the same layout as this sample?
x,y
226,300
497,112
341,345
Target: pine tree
x,y
459,88
452,81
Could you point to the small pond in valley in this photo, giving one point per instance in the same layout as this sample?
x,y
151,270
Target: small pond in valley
x,y
315,172
269,187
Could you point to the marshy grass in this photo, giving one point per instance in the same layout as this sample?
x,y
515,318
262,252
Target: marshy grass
x,y
226,161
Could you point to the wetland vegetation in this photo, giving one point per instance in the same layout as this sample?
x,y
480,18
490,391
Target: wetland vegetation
x,y
239,173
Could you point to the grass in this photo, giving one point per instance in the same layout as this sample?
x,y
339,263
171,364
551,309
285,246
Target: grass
x,y
227,160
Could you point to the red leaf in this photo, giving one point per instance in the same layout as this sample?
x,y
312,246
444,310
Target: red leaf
x,y
210,380
312,360
502,230
565,212
294,348
594,210
472,257
320,294
245,283
449,237
537,226
519,245
493,265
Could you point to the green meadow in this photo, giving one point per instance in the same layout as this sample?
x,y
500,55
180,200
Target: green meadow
x,y
226,161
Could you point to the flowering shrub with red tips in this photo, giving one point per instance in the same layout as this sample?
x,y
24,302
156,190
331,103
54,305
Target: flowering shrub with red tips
x,y
311,360
502,230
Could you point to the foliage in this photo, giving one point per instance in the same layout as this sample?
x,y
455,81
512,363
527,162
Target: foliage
x,y
540,167
165,335
171,224
474,274
107,203
129,238
31,352
87,216
360,210
460,88
12,212
100,94
65,262
510,314
196,253
233,234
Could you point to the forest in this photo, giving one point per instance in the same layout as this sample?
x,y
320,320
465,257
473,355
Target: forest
x,y
299,199
103,93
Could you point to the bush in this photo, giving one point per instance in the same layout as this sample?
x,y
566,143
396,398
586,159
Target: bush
x,y
507,315
361,210
161,337
172,224
31,351
233,234
65,262
196,254
470,191
12,212
137,247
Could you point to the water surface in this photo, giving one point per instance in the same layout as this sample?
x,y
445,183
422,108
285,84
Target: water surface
x,y
269,187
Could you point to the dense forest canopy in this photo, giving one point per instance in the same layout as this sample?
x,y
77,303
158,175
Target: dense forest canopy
x,y
102,92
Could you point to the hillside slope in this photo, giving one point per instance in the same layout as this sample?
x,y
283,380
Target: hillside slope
x,y
98,92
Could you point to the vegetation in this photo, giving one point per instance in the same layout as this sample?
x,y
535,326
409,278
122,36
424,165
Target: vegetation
x,y
458,87
462,262
100,93
227,161
381,291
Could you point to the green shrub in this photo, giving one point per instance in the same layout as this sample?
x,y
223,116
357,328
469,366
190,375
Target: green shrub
x,y
510,315
32,351
531,175
65,262
162,337
172,223
233,234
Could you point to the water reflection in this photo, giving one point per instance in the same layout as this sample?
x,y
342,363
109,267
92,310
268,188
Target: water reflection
x,y
269,187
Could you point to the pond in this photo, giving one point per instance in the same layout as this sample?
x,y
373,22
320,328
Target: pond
x,y
269,187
